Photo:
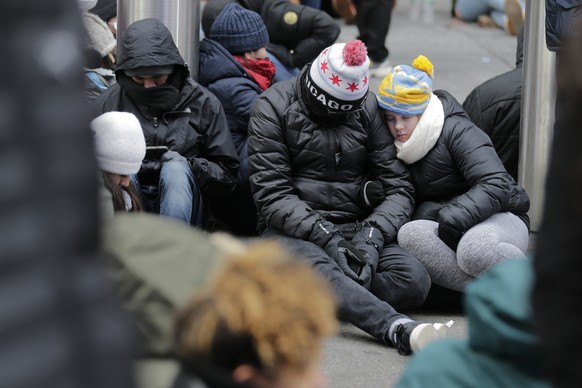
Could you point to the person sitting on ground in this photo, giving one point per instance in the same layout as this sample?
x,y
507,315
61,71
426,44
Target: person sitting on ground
x,y
495,107
235,67
324,187
100,52
255,325
153,82
297,33
470,213
505,14
119,148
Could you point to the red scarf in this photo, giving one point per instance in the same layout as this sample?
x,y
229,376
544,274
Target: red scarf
x,y
262,70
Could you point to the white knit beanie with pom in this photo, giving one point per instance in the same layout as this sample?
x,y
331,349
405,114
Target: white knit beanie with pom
x,y
119,142
99,36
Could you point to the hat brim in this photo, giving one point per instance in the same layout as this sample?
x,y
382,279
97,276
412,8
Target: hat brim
x,y
150,70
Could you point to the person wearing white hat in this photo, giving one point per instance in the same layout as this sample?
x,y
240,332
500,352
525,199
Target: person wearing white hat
x,y
119,149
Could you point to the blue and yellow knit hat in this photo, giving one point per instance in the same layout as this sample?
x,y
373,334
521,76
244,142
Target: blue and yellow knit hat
x,y
406,90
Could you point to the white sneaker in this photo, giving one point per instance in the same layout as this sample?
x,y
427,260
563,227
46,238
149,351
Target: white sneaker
x,y
380,70
413,336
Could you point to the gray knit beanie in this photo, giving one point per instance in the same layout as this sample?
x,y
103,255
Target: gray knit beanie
x,y
99,36
119,142
239,30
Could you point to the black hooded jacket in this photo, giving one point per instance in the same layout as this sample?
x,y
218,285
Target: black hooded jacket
x,y
297,33
461,182
195,127
302,170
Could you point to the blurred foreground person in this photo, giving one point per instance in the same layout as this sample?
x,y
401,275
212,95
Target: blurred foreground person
x,y
558,258
260,324
502,349
60,327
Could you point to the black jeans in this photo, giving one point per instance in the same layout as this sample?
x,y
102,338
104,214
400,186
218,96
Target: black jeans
x,y
401,281
373,21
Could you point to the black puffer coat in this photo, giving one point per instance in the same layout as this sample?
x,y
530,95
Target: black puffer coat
x,y
461,181
301,170
195,127
495,107
297,33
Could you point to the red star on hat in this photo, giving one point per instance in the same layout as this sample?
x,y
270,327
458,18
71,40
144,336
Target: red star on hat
x,y
365,81
324,67
335,79
353,86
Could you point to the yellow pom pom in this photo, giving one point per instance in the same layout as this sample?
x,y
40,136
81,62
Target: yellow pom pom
x,y
423,63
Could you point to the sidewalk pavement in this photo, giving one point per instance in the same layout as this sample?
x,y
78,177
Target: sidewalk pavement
x,y
463,56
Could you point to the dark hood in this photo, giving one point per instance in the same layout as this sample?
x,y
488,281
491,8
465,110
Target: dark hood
x,y
148,42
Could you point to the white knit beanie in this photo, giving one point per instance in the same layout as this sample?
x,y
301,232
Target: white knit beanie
x,y
99,36
119,142
340,74
86,5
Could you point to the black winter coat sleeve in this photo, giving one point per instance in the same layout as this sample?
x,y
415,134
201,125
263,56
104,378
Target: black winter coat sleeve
x,y
490,186
271,176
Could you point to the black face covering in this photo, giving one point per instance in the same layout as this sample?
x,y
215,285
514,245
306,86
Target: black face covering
x,y
162,98
319,113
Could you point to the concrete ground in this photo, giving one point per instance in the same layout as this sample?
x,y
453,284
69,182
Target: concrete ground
x,y
463,56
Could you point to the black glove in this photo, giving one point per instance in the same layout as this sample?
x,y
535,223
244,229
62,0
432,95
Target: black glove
x,y
322,232
172,155
150,166
346,255
370,241
372,194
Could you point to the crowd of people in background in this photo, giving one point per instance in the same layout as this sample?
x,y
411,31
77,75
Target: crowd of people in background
x,y
338,202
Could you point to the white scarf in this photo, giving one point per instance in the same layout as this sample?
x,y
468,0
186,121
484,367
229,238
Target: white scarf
x,y
425,134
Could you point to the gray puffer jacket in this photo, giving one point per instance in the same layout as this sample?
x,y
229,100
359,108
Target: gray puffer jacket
x,y
302,170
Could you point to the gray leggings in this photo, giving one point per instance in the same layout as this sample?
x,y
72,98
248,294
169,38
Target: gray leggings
x,y
498,238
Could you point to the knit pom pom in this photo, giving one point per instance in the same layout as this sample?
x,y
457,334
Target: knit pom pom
x,y
355,53
422,63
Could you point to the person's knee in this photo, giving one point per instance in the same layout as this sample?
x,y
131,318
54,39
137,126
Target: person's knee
x,y
176,174
404,287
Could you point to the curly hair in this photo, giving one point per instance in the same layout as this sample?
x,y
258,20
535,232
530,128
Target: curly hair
x,y
264,308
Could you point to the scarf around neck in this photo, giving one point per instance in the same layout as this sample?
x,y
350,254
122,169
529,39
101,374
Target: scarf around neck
x,y
425,134
262,70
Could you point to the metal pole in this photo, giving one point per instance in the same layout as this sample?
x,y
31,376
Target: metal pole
x,y
182,17
537,110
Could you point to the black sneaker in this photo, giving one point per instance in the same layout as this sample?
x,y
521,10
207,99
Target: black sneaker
x,y
412,336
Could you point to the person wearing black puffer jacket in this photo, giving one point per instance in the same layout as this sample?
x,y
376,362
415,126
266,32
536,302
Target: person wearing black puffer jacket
x,y
174,111
470,212
297,33
327,184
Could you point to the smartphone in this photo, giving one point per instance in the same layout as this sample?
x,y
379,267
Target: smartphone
x,y
155,152
355,263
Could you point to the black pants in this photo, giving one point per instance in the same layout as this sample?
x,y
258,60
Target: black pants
x,y
373,21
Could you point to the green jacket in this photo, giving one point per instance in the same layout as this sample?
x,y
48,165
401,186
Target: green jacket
x,y
157,265
501,350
